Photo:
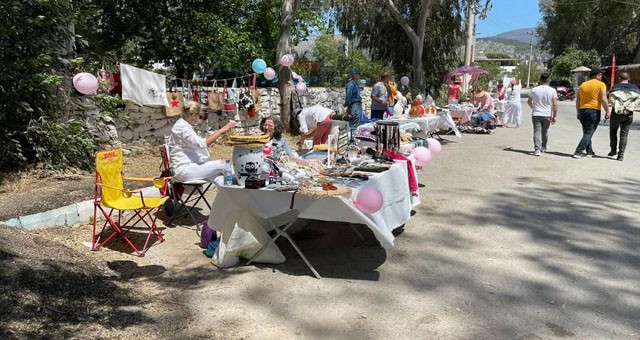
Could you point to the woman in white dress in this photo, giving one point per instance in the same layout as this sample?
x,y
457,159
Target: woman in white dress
x,y
513,107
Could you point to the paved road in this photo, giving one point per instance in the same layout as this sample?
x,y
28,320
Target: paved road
x,y
504,246
517,246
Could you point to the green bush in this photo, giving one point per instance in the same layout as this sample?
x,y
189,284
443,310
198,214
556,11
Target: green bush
x,y
36,122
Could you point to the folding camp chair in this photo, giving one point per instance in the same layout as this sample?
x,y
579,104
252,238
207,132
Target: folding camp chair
x,y
176,190
113,200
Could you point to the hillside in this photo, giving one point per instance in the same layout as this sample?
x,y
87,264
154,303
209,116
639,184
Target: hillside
x,y
515,43
521,35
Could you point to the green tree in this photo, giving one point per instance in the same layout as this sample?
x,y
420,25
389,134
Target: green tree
x,y
331,54
562,65
522,73
491,55
403,42
37,119
609,27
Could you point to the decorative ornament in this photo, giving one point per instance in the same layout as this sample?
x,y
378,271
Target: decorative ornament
x,y
269,73
434,146
301,88
85,83
259,66
422,155
286,60
369,200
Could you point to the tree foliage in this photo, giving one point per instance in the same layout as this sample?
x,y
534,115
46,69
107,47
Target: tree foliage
x,y
331,54
42,44
37,122
570,59
608,27
416,37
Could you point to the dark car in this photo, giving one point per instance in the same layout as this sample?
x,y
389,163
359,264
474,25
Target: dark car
x,y
557,83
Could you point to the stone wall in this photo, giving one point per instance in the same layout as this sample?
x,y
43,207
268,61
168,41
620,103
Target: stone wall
x,y
151,125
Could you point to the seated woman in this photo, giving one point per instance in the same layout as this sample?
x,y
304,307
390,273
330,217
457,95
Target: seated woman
x,y
189,152
272,127
314,121
484,106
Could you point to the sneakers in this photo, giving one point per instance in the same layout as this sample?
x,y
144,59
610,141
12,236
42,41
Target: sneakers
x,y
537,153
579,155
543,150
591,154
620,158
612,153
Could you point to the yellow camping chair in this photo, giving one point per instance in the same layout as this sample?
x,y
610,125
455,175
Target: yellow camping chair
x,y
113,200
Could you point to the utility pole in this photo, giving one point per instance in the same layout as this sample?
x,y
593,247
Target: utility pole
x,y
468,49
530,55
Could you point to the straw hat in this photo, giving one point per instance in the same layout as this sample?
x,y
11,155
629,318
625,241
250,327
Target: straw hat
x,y
480,94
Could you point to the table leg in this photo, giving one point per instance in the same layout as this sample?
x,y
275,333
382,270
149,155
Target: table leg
x,y
283,232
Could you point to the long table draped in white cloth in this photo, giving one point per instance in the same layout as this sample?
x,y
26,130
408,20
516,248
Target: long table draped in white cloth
x,y
422,126
395,212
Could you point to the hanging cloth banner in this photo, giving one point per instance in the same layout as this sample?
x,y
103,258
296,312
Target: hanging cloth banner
x,y
613,71
143,87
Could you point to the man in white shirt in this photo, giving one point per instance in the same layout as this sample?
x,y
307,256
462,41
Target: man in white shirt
x,y
316,121
543,100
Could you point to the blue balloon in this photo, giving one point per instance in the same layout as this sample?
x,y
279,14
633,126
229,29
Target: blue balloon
x,y
259,66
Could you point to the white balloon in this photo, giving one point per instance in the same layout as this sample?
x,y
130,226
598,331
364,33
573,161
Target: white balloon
x,y
269,73
286,60
301,88
404,80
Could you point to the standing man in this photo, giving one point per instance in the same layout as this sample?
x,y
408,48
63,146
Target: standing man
x,y
353,102
379,97
624,98
543,101
592,95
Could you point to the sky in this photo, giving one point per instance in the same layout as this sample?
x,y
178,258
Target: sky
x,y
507,15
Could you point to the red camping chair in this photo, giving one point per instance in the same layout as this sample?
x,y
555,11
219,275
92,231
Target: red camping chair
x,y
114,201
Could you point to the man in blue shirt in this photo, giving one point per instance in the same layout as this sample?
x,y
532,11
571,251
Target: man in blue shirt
x,y
353,101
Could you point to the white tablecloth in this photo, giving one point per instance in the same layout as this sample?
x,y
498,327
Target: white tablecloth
x,y
395,212
421,126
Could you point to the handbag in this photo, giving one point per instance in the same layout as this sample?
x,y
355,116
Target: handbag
x,y
175,104
227,103
215,99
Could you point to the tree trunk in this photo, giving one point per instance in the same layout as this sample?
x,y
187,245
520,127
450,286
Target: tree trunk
x,y
287,14
415,36
636,59
417,70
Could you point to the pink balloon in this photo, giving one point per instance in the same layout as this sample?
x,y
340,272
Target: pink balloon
x,y
286,60
369,200
434,146
269,73
85,83
301,88
422,155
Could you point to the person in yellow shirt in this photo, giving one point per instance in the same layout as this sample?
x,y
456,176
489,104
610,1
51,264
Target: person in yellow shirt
x,y
592,95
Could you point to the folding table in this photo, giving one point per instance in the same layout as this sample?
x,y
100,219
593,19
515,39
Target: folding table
x,y
270,204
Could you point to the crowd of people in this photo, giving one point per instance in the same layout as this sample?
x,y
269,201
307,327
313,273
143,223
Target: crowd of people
x,y
191,160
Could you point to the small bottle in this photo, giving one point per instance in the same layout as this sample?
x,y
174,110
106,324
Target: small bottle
x,y
228,173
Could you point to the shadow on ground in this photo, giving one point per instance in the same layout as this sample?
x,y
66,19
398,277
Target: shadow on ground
x,y
582,249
